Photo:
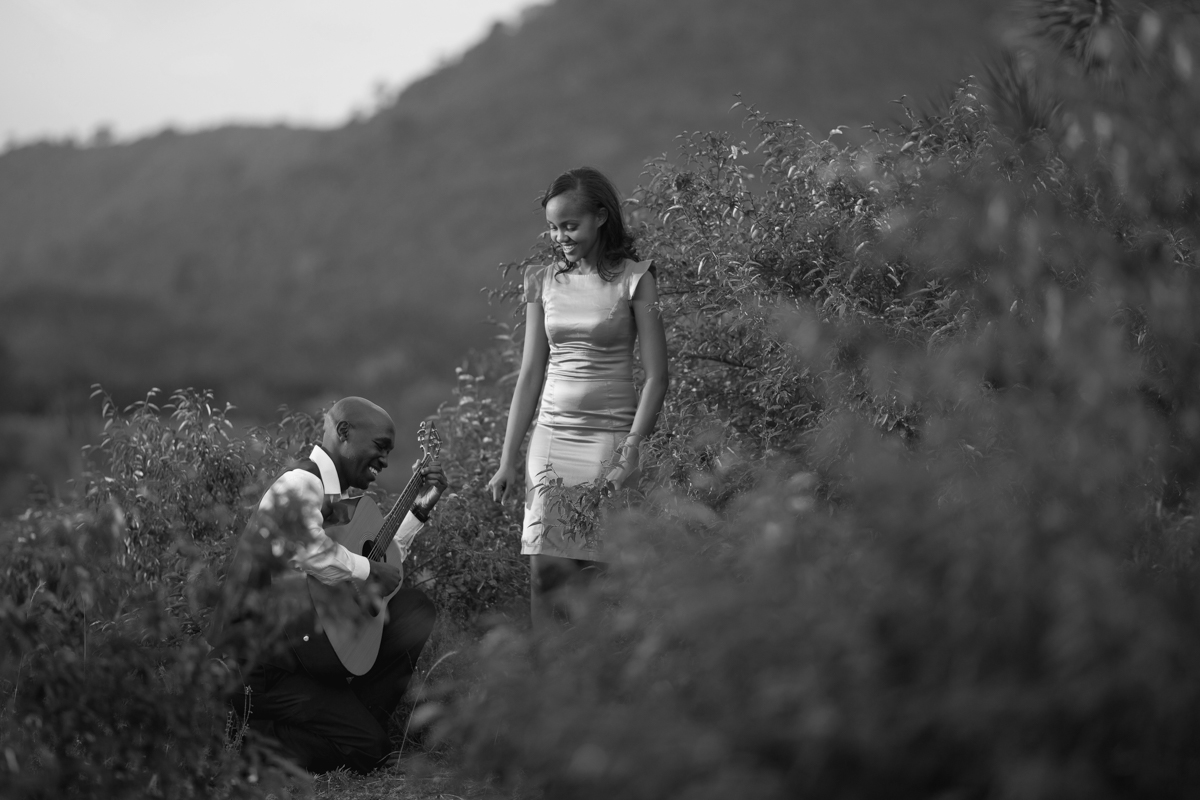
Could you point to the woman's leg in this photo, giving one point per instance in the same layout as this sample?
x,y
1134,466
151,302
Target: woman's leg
x,y
555,584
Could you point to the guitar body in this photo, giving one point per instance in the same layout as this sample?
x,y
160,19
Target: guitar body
x,y
354,634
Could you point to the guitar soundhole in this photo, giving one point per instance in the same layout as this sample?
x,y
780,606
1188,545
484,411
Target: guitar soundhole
x,y
366,551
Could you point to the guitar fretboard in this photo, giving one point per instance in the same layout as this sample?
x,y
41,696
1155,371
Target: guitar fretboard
x,y
391,523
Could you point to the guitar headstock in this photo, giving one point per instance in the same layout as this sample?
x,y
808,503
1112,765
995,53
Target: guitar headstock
x,y
429,440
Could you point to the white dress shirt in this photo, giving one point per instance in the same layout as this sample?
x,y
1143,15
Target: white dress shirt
x,y
323,558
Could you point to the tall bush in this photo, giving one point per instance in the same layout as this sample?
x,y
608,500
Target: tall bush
x,y
936,536
469,563
107,688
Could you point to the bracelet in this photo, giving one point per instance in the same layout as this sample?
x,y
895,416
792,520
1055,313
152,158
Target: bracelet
x,y
421,516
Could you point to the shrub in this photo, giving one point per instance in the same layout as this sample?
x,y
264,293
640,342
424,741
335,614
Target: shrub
x,y
107,688
936,535
470,562
107,691
918,518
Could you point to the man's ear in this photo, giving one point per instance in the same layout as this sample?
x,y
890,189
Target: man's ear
x,y
343,431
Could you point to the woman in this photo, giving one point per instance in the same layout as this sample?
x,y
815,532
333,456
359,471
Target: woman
x,y
582,316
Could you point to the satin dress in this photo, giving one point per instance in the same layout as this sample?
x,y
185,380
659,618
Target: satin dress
x,y
588,398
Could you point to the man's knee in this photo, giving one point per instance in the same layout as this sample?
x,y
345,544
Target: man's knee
x,y
412,616
415,606
424,616
425,611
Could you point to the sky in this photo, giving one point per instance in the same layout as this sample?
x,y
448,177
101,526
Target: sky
x,y
68,67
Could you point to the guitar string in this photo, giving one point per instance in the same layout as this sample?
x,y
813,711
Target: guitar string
x,y
407,498
404,501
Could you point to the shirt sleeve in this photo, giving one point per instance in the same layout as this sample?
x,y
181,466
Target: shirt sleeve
x,y
635,275
409,528
321,557
533,284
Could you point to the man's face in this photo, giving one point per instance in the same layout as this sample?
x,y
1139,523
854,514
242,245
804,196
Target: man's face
x,y
363,454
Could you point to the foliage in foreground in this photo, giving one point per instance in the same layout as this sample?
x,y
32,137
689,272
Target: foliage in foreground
x,y
107,690
923,522
920,517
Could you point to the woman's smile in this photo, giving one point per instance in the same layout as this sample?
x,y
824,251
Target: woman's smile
x,y
574,228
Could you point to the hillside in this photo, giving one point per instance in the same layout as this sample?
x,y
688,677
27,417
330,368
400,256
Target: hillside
x,y
918,517
250,260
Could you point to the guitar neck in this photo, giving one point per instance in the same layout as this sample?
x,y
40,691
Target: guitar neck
x,y
391,523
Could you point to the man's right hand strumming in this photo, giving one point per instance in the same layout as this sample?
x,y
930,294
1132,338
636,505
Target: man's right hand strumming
x,y
384,576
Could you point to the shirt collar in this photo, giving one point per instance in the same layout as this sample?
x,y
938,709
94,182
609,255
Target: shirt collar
x,y
329,476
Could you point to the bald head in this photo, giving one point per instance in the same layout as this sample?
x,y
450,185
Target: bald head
x,y
358,437
356,411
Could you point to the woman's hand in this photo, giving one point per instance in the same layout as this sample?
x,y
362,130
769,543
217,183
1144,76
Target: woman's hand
x,y
628,464
503,483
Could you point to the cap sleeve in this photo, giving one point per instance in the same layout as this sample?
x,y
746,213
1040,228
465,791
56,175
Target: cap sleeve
x,y
533,284
635,273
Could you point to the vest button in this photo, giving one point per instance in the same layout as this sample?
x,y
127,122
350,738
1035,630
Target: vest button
x,y
306,638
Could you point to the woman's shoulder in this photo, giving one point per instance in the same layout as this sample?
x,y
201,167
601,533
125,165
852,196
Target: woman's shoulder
x,y
535,279
633,272
537,271
639,268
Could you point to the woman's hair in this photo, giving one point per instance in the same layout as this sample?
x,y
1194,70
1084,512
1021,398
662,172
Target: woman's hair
x,y
597,192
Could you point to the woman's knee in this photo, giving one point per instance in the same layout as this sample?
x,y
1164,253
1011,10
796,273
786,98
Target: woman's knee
x,y
548,573
553,572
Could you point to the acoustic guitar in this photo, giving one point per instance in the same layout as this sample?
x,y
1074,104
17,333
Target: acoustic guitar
x,y
359,526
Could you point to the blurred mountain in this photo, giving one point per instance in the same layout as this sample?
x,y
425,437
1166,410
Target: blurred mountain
x,y
281,265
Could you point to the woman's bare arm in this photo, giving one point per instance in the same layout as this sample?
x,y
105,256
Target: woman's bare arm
x,y
534,356
653,347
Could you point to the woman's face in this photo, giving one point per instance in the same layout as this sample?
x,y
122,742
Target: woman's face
x,y
574,228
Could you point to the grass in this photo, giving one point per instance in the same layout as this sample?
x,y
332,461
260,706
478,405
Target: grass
x,y
420,776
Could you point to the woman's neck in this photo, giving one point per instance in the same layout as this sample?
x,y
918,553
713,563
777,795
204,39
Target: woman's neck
x,y
589,264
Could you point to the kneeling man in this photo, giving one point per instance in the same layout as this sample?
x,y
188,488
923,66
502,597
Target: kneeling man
x,y
324,714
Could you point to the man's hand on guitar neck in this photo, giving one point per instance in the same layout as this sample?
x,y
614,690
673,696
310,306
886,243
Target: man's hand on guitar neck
x,y
431,490
385,577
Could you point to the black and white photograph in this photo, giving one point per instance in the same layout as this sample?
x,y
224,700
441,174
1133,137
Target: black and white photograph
x,y
598,399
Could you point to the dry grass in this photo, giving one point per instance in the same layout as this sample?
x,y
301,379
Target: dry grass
x,y
416,777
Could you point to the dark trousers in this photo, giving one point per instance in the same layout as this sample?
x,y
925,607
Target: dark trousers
x,y
324,721
555,587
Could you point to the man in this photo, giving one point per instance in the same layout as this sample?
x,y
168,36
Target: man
x,y
323,716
